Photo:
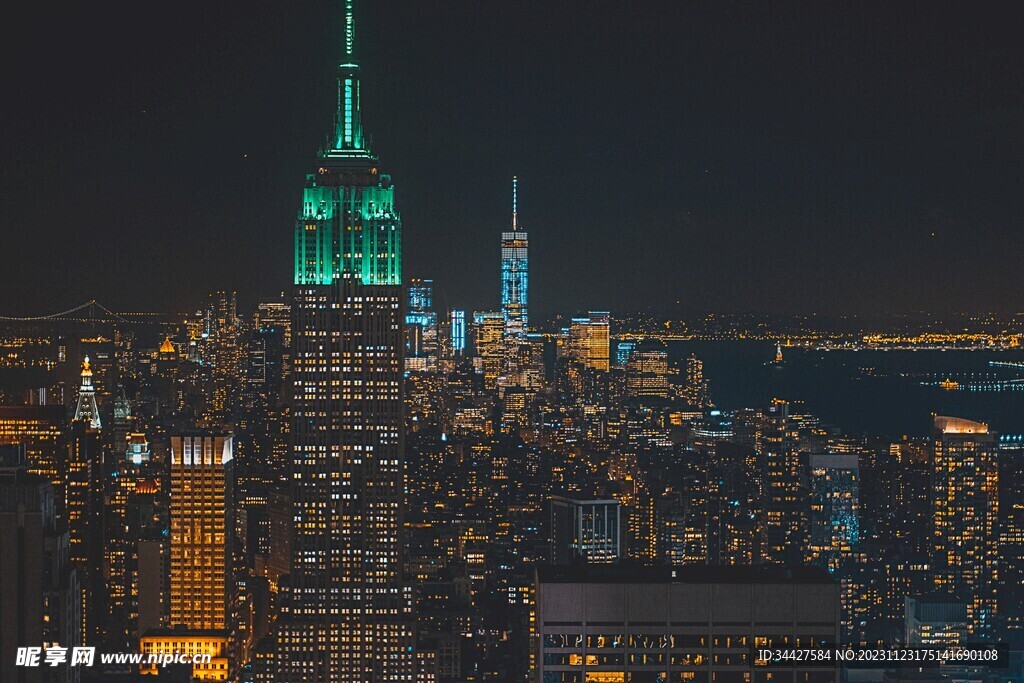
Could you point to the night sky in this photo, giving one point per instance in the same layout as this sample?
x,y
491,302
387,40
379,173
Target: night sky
x,y
728,156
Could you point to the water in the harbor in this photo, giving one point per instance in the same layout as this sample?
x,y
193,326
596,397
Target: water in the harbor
x,y
872,392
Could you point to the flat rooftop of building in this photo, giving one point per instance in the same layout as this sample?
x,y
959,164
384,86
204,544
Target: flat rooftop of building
x,y
694,573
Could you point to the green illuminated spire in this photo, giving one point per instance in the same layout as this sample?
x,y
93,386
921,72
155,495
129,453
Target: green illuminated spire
x,y
348,226
348,125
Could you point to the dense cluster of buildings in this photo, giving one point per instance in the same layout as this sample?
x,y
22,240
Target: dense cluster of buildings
x,y
355,483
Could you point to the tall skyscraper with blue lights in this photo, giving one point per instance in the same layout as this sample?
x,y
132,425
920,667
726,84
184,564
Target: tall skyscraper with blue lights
x,y
514,273
346,612
458,332
421,327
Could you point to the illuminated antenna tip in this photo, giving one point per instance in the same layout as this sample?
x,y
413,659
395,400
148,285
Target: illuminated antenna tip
x,y
515,202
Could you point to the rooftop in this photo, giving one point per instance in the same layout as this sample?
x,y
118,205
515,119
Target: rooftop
x,y
958,425
695,573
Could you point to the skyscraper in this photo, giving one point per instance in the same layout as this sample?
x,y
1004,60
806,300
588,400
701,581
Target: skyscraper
x,y
784,487
696,389
514,273
611,623
40,599
84,486
41,430
587,530
833,483
647,372
348,612
458,332
489,357
86,409
421,327
200,479
222,356
588,341
965,509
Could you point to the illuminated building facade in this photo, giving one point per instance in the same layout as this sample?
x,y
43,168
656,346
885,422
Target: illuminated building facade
x,y
1011,536
647,372
201,473
589,341
587,530
735,510
138,451
458,323
346,609
696,390
421,327
83,506
101,350
489,346
222,356
514,273
935,619
623,350
191,643
40,599
784,487
965,511
40,429
833,485
696,623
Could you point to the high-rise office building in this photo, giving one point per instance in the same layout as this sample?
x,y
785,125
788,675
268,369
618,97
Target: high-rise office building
x,y
222,355
735,510
696,390
40,600
83,506
41,430
585,530
965,509
833,485
1011,536
588,340
514,273
347,611
458,323
274,315
694,623
151,588
784,487
647,372
935,619
623,350
421,327
489,346
201,481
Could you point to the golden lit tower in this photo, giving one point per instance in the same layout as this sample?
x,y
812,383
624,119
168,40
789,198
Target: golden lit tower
x,y
588,341
200,481
489,344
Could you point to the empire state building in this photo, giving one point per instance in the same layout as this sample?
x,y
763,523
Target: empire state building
x,y
346,612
